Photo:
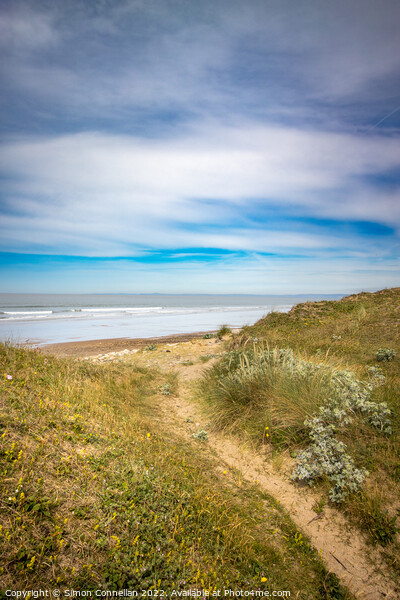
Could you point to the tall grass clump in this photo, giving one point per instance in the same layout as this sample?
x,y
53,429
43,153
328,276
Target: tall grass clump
x,y
250,390
224,330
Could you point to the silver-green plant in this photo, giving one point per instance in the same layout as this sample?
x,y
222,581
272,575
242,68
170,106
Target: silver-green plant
x,y
326,455
385,354
165,389
201,435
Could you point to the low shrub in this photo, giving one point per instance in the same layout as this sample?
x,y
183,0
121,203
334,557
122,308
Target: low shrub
x,y
202,436
151,347
385,354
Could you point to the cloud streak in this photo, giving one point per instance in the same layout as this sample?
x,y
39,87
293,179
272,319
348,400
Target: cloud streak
x,y
141,190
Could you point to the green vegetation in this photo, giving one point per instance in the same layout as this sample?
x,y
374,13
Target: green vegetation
x,y
223,330
322,383
384,354
206,357
290,394
97,492
201,435
151,347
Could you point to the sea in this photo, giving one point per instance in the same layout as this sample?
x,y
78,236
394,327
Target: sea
x,y
37,319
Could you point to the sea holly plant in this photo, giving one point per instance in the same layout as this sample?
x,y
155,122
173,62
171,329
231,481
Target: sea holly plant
x,y
385,354
326,455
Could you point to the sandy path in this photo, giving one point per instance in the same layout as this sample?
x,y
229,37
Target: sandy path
x,y
342,547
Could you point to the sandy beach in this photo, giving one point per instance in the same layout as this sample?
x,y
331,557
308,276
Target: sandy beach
x,y
104,346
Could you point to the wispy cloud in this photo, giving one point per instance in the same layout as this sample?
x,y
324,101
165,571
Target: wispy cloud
x,y
134,128
127,193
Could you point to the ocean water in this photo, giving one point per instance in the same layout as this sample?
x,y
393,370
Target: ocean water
x,y
50,318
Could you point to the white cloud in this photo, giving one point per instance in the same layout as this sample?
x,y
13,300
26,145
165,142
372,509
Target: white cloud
x,y
214,162
91,193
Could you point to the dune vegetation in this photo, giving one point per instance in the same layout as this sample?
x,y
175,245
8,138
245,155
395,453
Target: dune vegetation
x,y
321,386
97,493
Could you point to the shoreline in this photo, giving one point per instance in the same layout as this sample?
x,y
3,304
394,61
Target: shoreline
x,y
89,348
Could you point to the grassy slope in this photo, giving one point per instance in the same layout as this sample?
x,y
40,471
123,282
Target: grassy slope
x,y
365,322
348,333
96,493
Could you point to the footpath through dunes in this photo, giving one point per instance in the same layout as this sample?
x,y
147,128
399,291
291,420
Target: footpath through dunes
x,y
343,548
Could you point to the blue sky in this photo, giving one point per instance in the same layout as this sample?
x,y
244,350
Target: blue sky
x,y
199,146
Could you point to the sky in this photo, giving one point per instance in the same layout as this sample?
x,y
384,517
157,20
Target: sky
x,y
199,146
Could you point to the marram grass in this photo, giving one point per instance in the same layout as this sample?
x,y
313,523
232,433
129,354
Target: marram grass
x,y
259,386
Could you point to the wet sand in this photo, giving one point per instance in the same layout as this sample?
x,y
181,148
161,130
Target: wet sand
x,y
94,347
